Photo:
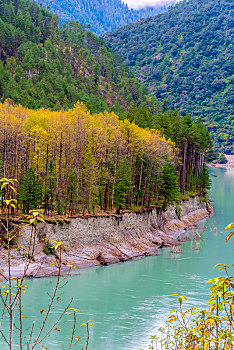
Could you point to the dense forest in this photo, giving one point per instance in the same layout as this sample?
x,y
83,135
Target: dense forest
x,y
43,64
186,56
78,162
61,90
99,15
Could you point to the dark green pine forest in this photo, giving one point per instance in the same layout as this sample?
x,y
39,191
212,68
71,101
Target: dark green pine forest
x,y
99,15
45,64
185,55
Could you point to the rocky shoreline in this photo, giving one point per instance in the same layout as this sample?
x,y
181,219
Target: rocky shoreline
x,y
103,240
229,164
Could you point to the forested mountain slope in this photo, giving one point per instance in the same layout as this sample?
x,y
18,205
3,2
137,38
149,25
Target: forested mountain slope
x,y
70,158
101,15
43,65
186,56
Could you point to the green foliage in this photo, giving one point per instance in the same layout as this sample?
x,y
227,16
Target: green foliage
x,y
169,188
30,191
49,188
44,64
72,187
100,16
123,185
222,159
178,212
48,249
206,181
87,160
191,139
185,55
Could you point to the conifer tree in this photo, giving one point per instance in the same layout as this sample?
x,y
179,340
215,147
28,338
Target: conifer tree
x,y
123,184
30,191
72,187
169,188
49,189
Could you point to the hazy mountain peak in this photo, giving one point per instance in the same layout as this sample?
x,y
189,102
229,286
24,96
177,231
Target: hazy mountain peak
x,y
140,4
103,15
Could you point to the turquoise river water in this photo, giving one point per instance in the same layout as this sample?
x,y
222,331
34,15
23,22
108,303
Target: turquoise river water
x,y
128,302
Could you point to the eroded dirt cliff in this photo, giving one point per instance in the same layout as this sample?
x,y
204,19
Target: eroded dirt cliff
x,y
102,240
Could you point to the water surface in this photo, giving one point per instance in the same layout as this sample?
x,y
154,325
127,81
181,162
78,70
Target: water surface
x,y
128,302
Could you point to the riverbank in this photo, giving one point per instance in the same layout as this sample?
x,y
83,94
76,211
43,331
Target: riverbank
x,y
102,240
229,164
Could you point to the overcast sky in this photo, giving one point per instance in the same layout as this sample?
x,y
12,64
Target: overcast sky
x,y
136,4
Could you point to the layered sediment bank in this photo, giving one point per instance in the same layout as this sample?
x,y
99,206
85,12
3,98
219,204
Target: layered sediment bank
x,y
102,240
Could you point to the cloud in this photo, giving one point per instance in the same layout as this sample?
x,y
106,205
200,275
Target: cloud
x,y
137,4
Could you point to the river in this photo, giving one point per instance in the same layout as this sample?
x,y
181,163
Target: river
x,y
128,302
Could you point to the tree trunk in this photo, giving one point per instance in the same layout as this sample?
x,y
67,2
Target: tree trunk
x,y
114,179
184,167
60,174
139,185
146,176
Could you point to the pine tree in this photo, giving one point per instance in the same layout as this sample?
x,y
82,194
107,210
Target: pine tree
x,y
49,189
72,187
206,182
169,187
123,184
30,191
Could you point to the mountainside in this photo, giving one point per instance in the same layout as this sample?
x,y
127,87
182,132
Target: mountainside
x,y
68,158
186,56
43,65
100,15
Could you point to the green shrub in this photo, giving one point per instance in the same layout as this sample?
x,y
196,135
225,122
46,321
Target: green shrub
x,y
178,212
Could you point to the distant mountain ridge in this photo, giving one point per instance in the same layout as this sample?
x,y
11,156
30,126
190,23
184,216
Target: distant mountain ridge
x,y
186,56
100,15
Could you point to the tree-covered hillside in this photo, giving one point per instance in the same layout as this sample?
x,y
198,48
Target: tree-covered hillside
x,y
186,56
45,65
75,159
100,15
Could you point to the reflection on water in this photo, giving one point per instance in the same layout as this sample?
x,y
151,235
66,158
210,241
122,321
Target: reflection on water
x,y
229,172
129,301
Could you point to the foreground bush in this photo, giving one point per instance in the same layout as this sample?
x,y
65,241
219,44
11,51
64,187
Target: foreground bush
x,y
199,329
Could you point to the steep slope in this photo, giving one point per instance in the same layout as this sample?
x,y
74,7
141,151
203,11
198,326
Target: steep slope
x,y
100,15
43,65
186,56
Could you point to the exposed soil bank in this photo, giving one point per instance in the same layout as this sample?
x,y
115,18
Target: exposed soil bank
x,y
103,240
229,164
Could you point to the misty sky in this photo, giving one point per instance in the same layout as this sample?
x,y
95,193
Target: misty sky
x,y
136,4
